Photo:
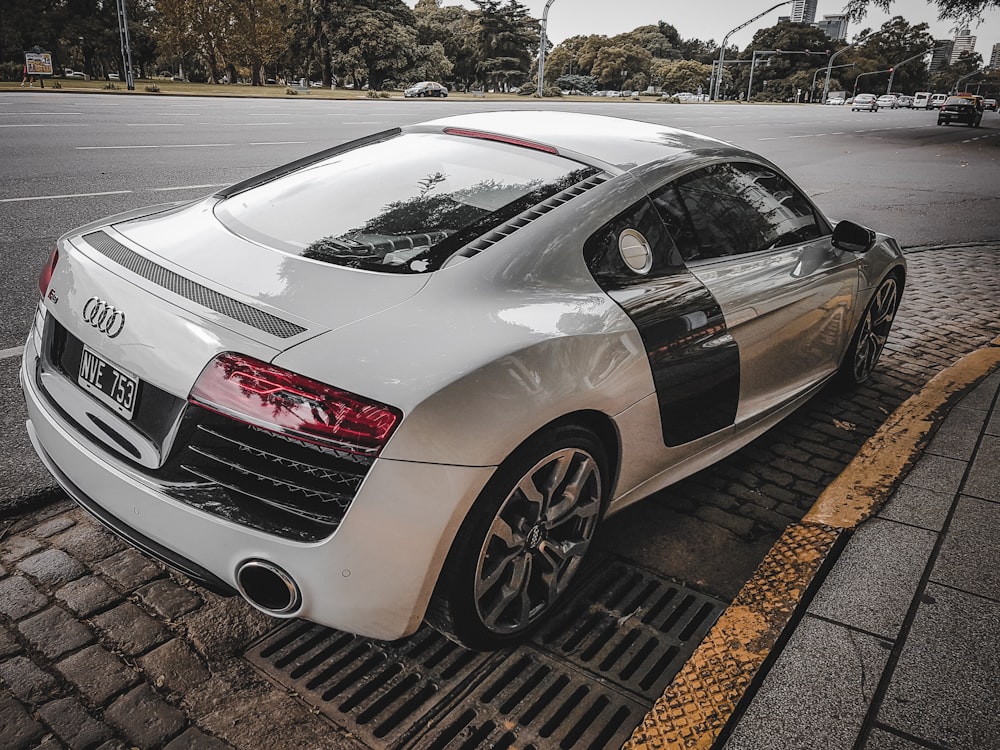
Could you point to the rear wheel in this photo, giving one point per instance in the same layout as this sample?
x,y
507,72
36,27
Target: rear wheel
x,y
873,330
524,540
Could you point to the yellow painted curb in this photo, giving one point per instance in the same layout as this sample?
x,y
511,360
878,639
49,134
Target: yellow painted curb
x,y
696,707
866,482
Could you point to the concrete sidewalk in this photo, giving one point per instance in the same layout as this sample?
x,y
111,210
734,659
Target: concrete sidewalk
x,y
900,647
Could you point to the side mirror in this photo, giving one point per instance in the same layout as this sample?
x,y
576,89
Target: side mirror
x,y
853,237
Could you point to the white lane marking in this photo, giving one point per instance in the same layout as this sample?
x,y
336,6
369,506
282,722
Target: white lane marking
x,y
38,114
69,195
17,351
189,145
176,145
44,125
187,187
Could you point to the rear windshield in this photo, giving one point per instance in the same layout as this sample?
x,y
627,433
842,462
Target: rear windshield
x,y
402,205
960,100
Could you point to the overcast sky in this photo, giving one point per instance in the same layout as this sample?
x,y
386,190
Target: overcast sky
x,y
712,19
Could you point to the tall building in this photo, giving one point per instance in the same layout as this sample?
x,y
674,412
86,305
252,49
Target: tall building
x,y
804,11
964,42
835,27
995,57
941,54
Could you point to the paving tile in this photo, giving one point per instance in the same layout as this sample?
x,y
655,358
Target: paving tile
x,y
937,473
19,598
52,526
73,724
917,507
132,631
54,632
984,475
195,739
145,718
881,740
816,695
8,643
944,686
970,554
88,595
26,681
873,582
14,548
20,731
168,598
174,666
129,569
97,673
88,541
52,567
957,437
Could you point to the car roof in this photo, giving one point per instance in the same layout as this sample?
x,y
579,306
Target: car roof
x,y
611,140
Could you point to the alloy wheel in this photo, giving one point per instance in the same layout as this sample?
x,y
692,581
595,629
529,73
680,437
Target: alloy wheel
x,y
875,328
537,540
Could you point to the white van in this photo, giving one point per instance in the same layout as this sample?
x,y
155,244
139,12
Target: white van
x,y
936,101
921,100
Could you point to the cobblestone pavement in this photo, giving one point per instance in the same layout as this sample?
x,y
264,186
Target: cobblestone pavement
x,y
102,648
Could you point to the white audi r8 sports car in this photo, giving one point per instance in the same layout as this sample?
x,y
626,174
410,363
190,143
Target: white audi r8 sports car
x,y
418,398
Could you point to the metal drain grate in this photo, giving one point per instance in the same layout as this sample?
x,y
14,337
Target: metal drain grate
x,y
632,628
584,682
534,702
377,689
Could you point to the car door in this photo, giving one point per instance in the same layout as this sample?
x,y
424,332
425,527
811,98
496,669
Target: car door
x,y
693,359
764,252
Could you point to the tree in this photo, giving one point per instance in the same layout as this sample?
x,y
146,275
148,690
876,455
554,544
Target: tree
x,y
957,9
802,48
895,42
377,41
617,67
681,75
506,43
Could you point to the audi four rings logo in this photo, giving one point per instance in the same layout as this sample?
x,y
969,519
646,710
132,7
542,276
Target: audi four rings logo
x,y
104,316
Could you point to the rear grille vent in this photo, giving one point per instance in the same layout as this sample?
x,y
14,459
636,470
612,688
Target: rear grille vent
x,y
191,290
263,480
526,217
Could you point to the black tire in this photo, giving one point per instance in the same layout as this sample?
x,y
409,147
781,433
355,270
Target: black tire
x,y
873,330
524,540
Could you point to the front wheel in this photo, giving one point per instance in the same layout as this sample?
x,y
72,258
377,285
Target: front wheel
x,y
523,541
873,330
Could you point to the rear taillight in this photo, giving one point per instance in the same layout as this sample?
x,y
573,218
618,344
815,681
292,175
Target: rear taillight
x,y
261,394
46,275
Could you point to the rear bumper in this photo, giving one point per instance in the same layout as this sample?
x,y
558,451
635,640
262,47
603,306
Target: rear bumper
x,y
373,576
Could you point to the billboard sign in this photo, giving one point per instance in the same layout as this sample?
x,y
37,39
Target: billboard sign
x,y
38,63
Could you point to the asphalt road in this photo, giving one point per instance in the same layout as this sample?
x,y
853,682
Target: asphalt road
x,y
70,158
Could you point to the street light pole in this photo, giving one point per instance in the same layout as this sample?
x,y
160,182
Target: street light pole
x,y
812,89
543,43
829,66
892,70
725,39
126,45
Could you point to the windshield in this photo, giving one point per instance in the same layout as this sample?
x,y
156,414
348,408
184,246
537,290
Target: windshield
x,y
963,101
402,205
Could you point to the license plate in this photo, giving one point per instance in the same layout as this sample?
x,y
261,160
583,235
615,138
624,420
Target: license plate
x,y
110,384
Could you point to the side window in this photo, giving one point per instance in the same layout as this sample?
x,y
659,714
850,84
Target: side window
x,y
732,209
631,248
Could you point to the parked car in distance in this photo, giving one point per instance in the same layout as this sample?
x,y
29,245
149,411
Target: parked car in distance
x,y
904,101
936,101
74,74
964,110
835,100
888,100
990,104
866,102
426,88
921,100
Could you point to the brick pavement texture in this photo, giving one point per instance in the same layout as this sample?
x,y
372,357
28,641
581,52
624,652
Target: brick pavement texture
x,y
104,649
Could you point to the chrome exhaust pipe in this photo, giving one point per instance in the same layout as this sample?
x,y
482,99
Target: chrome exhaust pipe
x,y
268,587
